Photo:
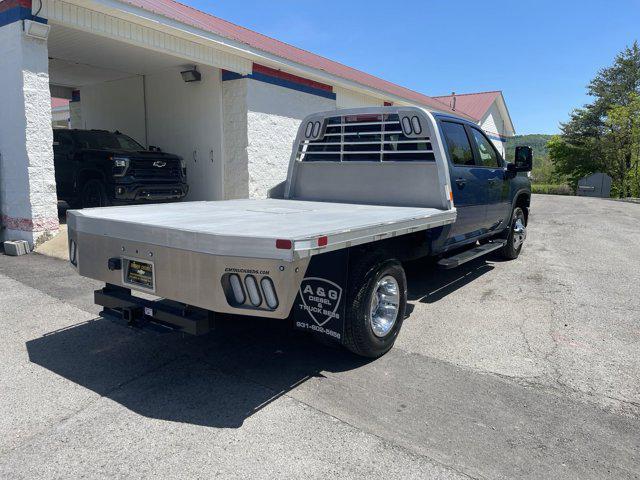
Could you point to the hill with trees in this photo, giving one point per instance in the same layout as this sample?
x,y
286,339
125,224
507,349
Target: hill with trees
x,y
542,172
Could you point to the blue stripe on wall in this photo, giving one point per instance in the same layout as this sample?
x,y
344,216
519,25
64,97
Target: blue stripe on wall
x,y
261,77
495,137
16,14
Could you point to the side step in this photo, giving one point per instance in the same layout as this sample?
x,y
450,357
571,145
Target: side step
x,y
471,254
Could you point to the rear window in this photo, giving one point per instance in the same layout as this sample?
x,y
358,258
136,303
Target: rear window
x,y
106,141
365,138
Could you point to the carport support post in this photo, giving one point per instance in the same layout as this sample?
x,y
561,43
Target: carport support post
x,y
28,201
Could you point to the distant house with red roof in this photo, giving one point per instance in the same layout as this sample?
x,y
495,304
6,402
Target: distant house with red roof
x,y
488,110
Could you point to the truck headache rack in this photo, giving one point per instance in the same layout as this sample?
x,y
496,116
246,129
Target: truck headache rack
x,y
366,137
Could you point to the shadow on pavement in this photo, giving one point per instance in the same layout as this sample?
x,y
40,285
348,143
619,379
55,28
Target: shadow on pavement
x,y
428,284
217,380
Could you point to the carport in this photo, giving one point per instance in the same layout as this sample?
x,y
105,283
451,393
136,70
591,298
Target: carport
x,y
141,93
120,74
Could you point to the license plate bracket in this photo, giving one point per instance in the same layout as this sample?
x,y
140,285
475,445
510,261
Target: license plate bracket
x,y
139,274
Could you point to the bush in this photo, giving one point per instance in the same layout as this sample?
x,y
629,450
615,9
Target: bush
x,y
550,189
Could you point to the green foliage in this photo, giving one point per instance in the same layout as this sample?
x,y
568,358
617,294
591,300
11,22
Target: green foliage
x,y
551,189
537,141
543,171
604,136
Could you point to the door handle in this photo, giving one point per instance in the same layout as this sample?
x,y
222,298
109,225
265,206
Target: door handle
x,y
461,182
493,180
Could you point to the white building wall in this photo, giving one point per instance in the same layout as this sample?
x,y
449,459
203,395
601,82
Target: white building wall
x,y
181,118
261,122
28,203
236,172
114,105
350,99
493,123
186,119
273,117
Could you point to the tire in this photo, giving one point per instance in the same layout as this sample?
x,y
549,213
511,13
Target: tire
x,y
516,236
372,276
94,194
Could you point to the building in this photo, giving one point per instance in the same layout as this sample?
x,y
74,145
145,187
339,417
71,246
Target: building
x,y
488,110
225,98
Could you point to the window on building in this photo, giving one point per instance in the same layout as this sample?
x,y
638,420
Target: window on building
x,y
458,144
488,155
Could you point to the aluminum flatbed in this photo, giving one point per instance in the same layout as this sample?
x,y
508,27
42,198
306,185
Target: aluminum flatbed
x,y
250,228
366,189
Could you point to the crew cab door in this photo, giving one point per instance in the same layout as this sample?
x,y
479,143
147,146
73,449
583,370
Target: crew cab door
x,y
468,182
497,185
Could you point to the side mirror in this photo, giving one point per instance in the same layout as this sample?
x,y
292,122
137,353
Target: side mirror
x,y
523,159
153,148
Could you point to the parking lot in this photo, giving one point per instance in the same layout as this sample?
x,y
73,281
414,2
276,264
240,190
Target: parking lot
x,y
523,369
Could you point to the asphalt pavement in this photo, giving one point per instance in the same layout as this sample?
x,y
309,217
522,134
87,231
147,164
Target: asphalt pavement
x,y
523,369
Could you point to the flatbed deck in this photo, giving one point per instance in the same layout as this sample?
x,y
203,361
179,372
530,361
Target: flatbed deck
x,y
250,228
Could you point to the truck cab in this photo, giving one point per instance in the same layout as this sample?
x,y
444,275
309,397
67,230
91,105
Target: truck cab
x,y
485,186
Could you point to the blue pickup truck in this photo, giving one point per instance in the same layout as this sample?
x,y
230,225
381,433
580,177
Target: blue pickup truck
x,y
366,190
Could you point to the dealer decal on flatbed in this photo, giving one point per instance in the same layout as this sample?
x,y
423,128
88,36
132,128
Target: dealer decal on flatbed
x,y
320,302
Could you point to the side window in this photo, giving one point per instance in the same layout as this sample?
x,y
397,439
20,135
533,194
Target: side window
x,y
458,144
488,155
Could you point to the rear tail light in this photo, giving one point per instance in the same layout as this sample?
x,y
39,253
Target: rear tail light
x,y
269,293
252,290
73,252
247,291
236,288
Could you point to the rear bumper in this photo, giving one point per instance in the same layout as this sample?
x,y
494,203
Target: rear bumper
x,y
139,312
127,193
188,277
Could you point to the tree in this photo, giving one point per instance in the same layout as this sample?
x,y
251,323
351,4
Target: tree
x,y
603,135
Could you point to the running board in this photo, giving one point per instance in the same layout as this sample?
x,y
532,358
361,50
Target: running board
x,y
471,254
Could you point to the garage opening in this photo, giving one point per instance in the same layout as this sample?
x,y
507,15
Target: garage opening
x,y
132,112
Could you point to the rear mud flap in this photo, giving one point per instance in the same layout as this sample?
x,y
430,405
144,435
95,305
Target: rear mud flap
x,y
321,302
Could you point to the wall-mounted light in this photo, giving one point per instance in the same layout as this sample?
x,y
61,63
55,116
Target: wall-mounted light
x,y
192,75
36,29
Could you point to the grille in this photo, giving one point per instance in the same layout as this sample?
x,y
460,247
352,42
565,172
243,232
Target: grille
x,y
365,138
144,169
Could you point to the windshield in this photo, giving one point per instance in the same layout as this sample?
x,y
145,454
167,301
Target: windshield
x,y
107,141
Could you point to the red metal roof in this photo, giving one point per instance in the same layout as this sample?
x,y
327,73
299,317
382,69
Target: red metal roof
x,y
474,105
195,18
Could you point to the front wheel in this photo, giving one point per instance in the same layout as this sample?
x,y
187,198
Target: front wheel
x,y
517,235
376,306
94,194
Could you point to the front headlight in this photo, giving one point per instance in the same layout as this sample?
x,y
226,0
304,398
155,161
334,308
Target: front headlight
x,y
120,166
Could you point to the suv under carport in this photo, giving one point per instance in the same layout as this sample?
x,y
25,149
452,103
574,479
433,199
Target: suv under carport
x,y
96,168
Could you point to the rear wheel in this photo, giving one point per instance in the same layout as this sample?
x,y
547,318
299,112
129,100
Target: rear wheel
x,y
376,306
517,235
94,194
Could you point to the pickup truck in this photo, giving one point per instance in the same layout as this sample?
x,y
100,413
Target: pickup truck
x,y
97,168
366,190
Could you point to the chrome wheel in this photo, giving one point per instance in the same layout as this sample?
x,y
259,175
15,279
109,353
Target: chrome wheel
x,y
519,231
385,302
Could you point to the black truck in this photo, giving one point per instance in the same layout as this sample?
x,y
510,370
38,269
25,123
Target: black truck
x,y
97,168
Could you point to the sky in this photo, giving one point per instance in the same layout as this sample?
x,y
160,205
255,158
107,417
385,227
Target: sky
x,y
540,54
